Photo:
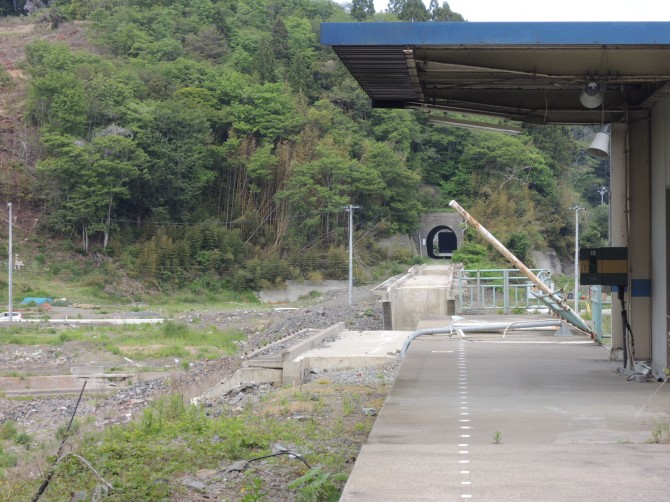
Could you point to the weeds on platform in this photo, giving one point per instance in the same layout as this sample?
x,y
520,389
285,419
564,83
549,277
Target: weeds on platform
x,y
660,433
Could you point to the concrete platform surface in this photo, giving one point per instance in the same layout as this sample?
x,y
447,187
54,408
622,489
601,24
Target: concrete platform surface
x,y
526,419
362,343
355,349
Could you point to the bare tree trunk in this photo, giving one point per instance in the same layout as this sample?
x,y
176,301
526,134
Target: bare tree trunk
x,y
281,176
84,237
108,223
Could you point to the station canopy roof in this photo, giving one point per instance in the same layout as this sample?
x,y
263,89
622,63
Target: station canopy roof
x,y
529,72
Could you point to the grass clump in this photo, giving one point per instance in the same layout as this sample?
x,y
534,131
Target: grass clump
x,y
8,430
660,433
318,485
7,460
165,340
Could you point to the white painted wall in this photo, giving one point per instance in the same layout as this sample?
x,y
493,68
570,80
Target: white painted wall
x,y
660,182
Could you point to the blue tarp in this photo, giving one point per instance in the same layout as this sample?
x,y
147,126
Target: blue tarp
x,y
38,301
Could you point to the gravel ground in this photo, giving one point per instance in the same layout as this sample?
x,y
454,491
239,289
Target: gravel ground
x,y
40,417
264,325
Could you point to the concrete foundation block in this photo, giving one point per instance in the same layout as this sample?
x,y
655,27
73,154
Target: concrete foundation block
x,y
87,370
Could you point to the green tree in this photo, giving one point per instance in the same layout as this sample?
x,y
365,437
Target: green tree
x,y
362,9
267,111
395,6
280,44
318,190
90,179
444,13
558,147
299,75
59,101
398,127
491,163
409,10
265,61
396,200
432,8
595,233
207,44
175,135
44,58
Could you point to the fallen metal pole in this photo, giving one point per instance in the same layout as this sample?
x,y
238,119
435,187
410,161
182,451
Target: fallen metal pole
x,y
476,328
429,331
51,472
497,326
578,322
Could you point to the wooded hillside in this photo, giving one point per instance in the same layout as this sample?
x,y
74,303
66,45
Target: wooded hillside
x,y
219,138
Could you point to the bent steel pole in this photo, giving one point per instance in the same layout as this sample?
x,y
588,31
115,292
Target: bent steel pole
x,y
460,329
573,318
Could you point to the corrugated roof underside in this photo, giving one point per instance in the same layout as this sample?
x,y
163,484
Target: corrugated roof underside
x,y
381,71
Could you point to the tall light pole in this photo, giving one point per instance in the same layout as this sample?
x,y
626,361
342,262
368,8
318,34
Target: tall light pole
x,y
11,258
602,191
350,209
577,209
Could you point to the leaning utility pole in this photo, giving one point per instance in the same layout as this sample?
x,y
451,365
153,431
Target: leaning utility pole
x,y
572,317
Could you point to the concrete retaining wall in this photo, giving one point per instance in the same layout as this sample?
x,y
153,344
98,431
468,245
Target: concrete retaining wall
x,y
424,292
243,375
294,371
264,370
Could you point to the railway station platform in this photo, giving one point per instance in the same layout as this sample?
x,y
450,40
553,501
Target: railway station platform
x,y
533,416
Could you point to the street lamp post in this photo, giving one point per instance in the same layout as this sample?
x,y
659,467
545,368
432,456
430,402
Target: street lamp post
x,y
350,209
602,191
577,209
10,256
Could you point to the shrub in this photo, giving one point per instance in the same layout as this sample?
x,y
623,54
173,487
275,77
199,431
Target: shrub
x,y
7,459
8,430
317,485
23,438
473,256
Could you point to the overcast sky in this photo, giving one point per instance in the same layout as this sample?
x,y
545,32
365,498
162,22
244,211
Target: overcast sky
x,y
556,10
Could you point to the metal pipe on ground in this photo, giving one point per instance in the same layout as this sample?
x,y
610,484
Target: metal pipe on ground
x,y
459,329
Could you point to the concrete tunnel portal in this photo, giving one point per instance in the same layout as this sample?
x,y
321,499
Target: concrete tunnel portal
x,y
439,235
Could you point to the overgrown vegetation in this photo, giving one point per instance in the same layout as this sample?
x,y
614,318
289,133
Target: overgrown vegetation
x,y
139,342
146,459
213,145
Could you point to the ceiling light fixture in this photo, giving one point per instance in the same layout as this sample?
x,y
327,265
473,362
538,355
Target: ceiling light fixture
x,y
591,96
600,146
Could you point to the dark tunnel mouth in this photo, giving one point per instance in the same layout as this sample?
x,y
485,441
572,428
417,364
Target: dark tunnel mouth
x,y
447,243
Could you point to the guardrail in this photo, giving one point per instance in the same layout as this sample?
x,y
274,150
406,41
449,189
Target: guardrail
x,y
498,289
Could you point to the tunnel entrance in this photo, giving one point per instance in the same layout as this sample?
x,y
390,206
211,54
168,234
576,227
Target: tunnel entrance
x,y
441,243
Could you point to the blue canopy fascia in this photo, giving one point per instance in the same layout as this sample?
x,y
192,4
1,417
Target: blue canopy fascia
x,y
509,34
